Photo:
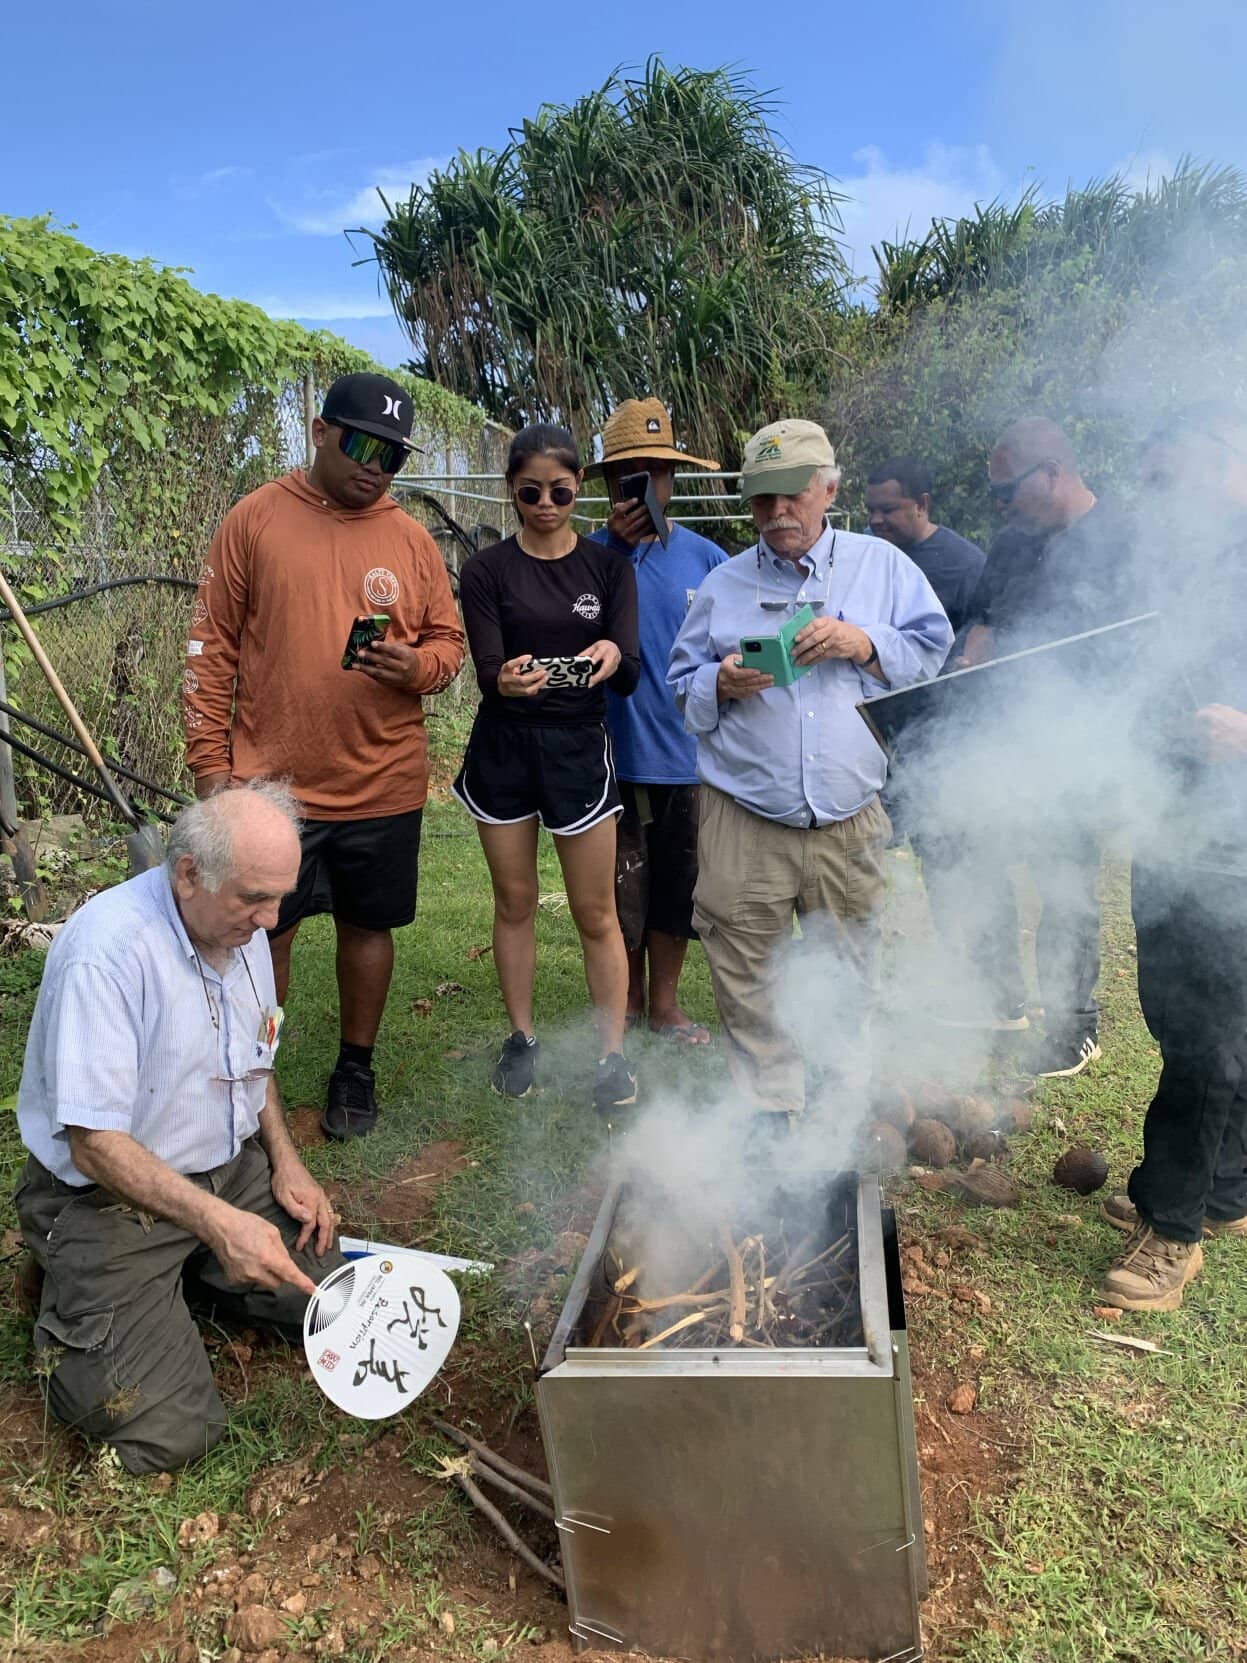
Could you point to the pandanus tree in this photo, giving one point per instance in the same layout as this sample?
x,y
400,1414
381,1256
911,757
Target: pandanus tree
x,y
654,237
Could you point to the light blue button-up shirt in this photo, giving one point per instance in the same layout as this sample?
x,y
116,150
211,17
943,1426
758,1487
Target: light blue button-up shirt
x,y
123,1038
802,754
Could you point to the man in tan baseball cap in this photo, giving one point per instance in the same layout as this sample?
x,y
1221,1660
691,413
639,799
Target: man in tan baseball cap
x,y
782,459
656,761
791,821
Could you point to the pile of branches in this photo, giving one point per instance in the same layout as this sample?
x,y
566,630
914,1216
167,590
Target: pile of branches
x,y
752,1294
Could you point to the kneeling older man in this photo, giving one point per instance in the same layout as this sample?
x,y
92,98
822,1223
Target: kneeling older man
x,y
791,821
158,1144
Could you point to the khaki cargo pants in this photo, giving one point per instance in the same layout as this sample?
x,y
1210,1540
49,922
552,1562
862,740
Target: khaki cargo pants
x,y
796,1015
117,1349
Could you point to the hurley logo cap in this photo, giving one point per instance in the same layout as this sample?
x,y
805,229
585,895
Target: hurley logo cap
x,y
781,460
371,404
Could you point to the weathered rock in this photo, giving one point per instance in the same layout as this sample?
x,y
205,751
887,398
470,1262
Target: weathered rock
x,y
962,1399
204,1527
255,1627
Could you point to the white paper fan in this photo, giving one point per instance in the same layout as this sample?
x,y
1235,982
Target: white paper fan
x,y
377,1331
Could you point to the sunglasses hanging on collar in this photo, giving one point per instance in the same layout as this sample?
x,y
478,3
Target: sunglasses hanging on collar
x,y
815,604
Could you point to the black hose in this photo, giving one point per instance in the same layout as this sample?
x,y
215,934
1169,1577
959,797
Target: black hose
x,y
97,589
72,744
88,786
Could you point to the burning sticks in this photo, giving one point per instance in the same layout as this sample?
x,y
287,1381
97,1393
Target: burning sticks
x,y
810,1301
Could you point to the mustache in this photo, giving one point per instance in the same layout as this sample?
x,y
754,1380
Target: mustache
x,y
781,525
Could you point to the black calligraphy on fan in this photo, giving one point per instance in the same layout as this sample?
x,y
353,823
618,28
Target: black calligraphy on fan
x,y
418,1325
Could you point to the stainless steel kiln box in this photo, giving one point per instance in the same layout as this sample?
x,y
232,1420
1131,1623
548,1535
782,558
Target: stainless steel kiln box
x,y
741,1504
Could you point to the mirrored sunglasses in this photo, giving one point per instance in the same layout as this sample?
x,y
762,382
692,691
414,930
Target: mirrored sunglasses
x,y
367,447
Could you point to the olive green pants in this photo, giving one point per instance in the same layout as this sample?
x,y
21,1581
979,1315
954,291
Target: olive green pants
x,y
116,1347
796,1015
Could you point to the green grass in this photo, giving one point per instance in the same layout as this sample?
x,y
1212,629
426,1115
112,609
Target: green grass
x,y
1121,1538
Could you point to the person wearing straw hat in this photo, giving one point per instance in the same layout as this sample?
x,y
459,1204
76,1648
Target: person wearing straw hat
x,y
791,822
656,761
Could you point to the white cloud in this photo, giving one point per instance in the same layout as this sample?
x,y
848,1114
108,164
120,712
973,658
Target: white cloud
x,y
326,213
889,203
1144,168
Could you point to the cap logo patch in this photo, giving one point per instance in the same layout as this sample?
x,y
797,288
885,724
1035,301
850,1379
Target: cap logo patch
x,y
769,451
393,407
653,425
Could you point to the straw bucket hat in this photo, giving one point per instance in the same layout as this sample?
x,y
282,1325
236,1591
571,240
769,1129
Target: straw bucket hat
x,y
641,427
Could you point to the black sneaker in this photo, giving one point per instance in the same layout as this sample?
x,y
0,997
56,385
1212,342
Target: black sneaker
x,y
351,1111
516,1067
1060,1059
615,1086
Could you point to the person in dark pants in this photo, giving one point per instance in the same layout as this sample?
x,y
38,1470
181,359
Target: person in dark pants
x,y
160,1165
656,858
1190,886
1069,570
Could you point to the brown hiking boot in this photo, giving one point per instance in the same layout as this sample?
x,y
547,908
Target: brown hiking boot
x,y
1120,1212
1152,1272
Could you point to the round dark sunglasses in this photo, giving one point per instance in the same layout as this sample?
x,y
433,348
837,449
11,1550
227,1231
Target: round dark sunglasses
x,y
531,495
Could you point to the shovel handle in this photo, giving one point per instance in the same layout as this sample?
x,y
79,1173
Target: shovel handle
x,y
75,721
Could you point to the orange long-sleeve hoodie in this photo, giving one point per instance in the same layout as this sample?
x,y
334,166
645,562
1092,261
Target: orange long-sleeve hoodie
x,y
265,691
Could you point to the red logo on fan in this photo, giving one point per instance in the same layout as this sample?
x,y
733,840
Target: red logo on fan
x,y
329,1359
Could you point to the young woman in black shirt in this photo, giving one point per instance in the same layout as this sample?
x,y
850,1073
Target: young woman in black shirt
x,y
539,751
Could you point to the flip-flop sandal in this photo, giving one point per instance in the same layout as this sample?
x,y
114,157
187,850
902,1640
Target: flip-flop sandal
x,y
683,1033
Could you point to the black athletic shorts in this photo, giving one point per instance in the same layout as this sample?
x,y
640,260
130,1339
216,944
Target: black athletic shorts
x,y
656,861
362,871
563,776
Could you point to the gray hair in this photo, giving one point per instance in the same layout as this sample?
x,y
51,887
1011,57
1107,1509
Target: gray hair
x,y
827,474
206,835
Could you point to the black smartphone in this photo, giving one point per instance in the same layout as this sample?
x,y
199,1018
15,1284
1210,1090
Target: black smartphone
x,y
639,487
364,631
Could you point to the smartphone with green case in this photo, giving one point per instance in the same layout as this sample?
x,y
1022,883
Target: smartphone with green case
x,y
772,654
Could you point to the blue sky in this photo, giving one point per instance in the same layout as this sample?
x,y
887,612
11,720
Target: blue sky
x,y
240,140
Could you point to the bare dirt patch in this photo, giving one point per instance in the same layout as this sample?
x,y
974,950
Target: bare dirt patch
x,y
328,1569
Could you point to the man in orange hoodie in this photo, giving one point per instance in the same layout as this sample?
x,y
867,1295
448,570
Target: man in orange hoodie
x,y
292,567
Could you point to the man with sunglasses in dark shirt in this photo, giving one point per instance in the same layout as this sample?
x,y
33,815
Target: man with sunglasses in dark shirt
x,y
1062,567
271,689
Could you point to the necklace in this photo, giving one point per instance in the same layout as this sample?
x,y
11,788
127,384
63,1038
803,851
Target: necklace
x,y
561,555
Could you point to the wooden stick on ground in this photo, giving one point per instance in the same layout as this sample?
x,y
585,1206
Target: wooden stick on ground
x,y
507,1468
484,1471
508,1535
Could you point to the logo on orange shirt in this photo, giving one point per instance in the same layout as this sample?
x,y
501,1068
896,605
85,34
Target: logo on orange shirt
x,y
381,587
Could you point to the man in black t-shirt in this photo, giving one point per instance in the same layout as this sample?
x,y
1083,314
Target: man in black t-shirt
x,y
898,506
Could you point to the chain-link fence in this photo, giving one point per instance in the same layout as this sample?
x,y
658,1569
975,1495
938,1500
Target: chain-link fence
x,y
110,607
